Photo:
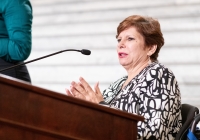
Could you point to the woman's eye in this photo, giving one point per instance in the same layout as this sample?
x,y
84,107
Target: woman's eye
x,y
130,38
118,40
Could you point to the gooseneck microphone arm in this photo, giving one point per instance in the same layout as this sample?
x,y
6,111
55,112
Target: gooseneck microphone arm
x,y
83,51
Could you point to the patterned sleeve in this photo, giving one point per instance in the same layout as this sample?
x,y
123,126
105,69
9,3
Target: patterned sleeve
x,y
113,89
160,105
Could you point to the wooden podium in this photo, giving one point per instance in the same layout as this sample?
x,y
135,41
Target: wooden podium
x,y
28,112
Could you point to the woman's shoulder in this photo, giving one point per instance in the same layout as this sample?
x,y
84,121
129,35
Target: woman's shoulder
x,y
156,66
156,70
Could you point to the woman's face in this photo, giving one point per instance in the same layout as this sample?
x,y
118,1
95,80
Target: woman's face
x,y
131,48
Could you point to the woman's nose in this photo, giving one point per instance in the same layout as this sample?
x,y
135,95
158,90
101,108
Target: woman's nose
x,y
121,44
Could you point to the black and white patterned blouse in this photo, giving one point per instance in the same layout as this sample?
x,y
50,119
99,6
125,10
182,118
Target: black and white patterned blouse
x,y
154,94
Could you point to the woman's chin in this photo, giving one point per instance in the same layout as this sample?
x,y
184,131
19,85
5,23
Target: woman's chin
x,y
123,64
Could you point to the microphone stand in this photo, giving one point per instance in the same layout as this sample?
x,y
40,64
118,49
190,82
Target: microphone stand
x,y
82,51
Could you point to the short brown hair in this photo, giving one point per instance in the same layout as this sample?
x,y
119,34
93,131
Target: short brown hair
x,y
148,27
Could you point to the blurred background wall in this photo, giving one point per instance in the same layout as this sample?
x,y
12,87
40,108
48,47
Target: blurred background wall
x,y
91,24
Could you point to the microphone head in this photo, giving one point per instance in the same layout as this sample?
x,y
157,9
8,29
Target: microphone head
x,y
85,52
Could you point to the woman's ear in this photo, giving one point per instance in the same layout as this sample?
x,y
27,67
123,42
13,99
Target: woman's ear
x,y
152,50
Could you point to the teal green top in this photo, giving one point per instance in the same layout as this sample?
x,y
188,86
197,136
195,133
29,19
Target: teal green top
x,y
15,29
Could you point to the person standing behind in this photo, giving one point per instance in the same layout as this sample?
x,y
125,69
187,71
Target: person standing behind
x,y
15,36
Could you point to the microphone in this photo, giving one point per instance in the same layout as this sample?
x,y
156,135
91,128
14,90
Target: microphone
x,y
83,51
